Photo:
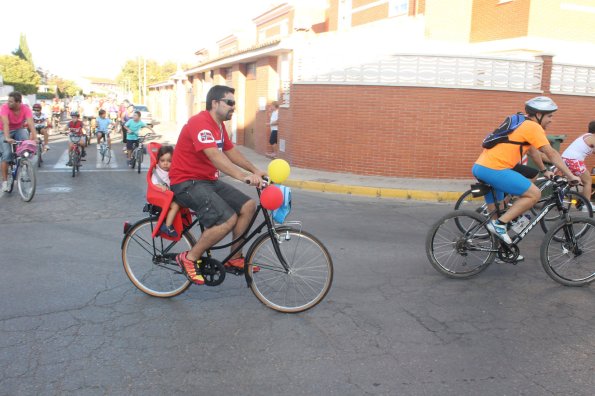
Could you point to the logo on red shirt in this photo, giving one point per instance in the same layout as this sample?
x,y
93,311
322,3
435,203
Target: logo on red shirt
x,y
205,136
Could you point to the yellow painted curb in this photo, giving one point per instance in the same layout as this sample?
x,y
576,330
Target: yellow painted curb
x,y
379,192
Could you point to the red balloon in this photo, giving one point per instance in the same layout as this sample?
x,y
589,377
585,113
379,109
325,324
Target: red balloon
x,y
271,198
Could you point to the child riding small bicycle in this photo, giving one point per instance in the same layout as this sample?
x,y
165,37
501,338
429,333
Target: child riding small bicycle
x,y
75,128
102,131
132,127
41,124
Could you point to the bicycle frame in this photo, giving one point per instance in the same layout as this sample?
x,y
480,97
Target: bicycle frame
x,y
243,239
556,201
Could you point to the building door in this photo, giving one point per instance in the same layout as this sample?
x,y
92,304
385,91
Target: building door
x,y
250,106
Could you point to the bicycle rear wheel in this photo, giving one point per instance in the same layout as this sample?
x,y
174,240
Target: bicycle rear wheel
x,y
577,205
139,159
26,180
460,254
150,263
468,202
568,251
39,155
10,179
298,289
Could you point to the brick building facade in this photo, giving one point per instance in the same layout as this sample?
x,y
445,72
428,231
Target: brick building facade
x,y
397,124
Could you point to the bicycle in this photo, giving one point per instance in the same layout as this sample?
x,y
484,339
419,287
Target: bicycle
x,y
566,252
75,155
138,151
40,146
573,200
287,269
104,150
56,121
89,126
22,170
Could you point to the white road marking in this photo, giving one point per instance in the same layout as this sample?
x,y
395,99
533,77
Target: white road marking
x,y
102,165
61,164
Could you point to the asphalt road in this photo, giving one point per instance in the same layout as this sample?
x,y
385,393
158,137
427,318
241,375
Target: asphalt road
x,y
72,323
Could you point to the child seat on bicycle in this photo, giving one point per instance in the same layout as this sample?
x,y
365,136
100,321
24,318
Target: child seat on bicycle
x,y
163,200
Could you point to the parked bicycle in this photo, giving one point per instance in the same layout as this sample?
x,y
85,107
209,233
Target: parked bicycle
x,y
75,155
566,253
21,170
138,152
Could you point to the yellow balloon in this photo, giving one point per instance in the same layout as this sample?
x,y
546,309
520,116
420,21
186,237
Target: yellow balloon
x,y
279,170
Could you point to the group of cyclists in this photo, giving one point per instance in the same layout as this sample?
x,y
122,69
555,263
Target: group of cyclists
x,y
19,122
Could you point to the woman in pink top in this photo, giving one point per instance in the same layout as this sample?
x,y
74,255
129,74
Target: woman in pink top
x,y
575,155
14,115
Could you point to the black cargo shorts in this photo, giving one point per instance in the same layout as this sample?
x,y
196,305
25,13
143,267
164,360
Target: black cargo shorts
x,y
214,201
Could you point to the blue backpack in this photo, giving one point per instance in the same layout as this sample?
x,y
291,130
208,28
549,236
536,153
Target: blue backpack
x,y
500,134
280,214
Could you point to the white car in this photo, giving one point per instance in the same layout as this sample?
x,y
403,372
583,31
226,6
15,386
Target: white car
x,y
145,114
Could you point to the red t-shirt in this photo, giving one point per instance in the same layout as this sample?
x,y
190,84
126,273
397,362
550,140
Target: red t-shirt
x,y
15,121
189,161
76,127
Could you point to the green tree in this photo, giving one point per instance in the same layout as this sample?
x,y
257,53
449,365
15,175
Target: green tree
x,y
129,75
23,51
64,87
19,73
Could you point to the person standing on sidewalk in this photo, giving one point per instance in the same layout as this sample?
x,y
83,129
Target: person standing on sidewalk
x,y
202,151
274,124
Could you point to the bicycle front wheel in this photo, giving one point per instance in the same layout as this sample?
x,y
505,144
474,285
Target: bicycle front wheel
x,y
26,180
577,206
301,286
457,253
150,263
567,252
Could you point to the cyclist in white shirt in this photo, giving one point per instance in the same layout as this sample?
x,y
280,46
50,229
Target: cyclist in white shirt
x,y
41,124
574,157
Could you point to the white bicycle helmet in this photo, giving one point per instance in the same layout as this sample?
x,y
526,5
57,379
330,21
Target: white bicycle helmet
x,y
540,104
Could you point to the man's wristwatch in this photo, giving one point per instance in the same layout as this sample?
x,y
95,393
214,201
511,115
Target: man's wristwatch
x,y
543,170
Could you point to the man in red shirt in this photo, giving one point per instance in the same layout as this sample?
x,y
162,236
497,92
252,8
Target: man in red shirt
x,y
203,149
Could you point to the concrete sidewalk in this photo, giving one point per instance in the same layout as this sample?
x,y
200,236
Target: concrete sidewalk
x,y
346,183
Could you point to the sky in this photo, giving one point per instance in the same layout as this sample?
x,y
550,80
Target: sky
x,y
95,38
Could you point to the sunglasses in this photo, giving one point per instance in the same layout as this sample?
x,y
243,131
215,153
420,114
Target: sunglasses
x,y
229,102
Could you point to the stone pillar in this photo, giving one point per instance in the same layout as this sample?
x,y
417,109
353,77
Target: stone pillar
x,y
546,73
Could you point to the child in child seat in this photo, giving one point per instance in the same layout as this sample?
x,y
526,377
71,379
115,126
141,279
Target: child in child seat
x,y
160,178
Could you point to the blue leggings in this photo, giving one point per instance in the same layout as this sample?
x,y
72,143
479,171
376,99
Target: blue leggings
x,y
503,181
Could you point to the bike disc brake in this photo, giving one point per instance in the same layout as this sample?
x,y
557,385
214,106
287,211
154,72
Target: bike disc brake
x,y
213,271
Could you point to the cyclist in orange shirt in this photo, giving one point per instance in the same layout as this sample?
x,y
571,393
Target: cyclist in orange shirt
x,y
495,166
